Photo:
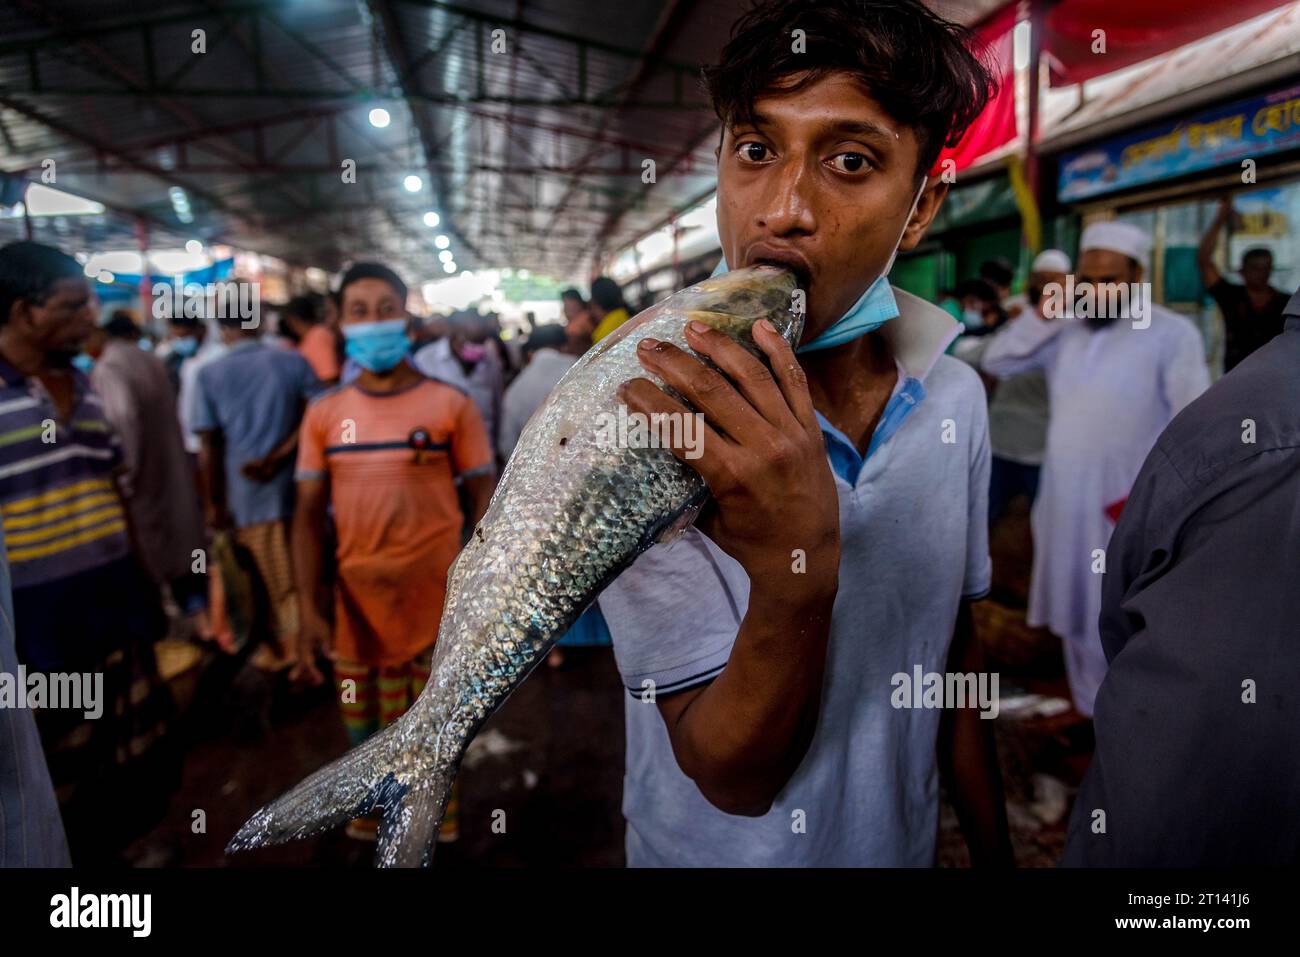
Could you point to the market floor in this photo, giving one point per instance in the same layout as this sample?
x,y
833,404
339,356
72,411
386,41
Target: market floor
x,y
542,784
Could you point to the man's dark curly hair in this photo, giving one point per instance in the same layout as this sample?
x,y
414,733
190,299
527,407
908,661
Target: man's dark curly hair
x,y
927,73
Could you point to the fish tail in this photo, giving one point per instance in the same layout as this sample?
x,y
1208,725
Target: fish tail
x,y
363,780
410,827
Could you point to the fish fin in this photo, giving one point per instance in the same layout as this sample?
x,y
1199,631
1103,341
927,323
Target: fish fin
x,y
678,528
410,827
357,783
333,795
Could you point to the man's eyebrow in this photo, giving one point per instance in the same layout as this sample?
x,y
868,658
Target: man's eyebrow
x,y
755,120
865,128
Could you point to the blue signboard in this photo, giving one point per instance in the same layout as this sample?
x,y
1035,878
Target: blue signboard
x,y
1247,129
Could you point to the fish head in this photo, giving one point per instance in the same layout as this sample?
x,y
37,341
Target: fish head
x,y
734,301
730,303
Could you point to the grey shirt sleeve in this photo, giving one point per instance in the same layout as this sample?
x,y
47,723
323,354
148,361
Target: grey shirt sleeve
x,y
674,614
308,385
203,405
31,831
1196,720
979,565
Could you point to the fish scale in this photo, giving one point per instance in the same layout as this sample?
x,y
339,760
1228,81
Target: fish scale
x,y
567,517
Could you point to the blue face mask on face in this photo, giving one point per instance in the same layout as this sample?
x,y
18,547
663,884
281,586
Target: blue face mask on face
x,y
874,308
185,346
83,361
377,346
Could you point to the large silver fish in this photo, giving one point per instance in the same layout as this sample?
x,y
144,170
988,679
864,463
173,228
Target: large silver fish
x,y
572,510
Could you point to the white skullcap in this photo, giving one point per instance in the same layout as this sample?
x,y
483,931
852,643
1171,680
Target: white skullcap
x,y
1051,260
1124,238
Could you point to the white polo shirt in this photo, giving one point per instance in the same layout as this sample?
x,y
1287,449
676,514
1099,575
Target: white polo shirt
x,y
483,382
914,542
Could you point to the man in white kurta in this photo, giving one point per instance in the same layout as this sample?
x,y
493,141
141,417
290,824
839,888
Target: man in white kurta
x,y
1114,386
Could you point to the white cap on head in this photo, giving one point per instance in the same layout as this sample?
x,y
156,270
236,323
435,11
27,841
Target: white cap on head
x,y
1117,237
1051,260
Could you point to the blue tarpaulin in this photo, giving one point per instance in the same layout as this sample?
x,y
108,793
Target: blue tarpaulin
x,y
219,270
125,287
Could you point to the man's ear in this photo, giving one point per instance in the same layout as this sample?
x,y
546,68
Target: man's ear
x,y
19,310
931,199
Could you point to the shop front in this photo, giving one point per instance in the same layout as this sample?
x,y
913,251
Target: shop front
x,y
1169,178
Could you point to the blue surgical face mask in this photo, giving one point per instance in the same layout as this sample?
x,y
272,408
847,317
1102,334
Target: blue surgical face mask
x,y
874,308
83,361
377,346
972,318
185,346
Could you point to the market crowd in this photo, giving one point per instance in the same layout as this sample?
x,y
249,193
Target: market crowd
x,y
287,491
291,492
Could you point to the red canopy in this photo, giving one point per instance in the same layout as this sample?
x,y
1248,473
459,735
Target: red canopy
x,y
996,126
1133,31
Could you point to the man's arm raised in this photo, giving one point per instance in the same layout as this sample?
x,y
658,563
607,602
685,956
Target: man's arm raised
x,y
1210,274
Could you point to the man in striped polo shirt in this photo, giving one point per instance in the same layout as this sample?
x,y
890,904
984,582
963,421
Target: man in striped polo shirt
x,y
81,602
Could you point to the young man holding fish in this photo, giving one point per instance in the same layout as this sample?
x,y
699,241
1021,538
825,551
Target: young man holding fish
x,y
764,649
848,524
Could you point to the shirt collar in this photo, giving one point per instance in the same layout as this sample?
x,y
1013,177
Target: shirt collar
x,y
919,336
245,343
9,375
12,378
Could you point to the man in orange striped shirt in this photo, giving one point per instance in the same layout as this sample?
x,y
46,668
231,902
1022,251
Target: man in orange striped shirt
x,y
386,451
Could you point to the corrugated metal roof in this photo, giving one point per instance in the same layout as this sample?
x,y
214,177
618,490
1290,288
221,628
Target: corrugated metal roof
x,y
531,142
